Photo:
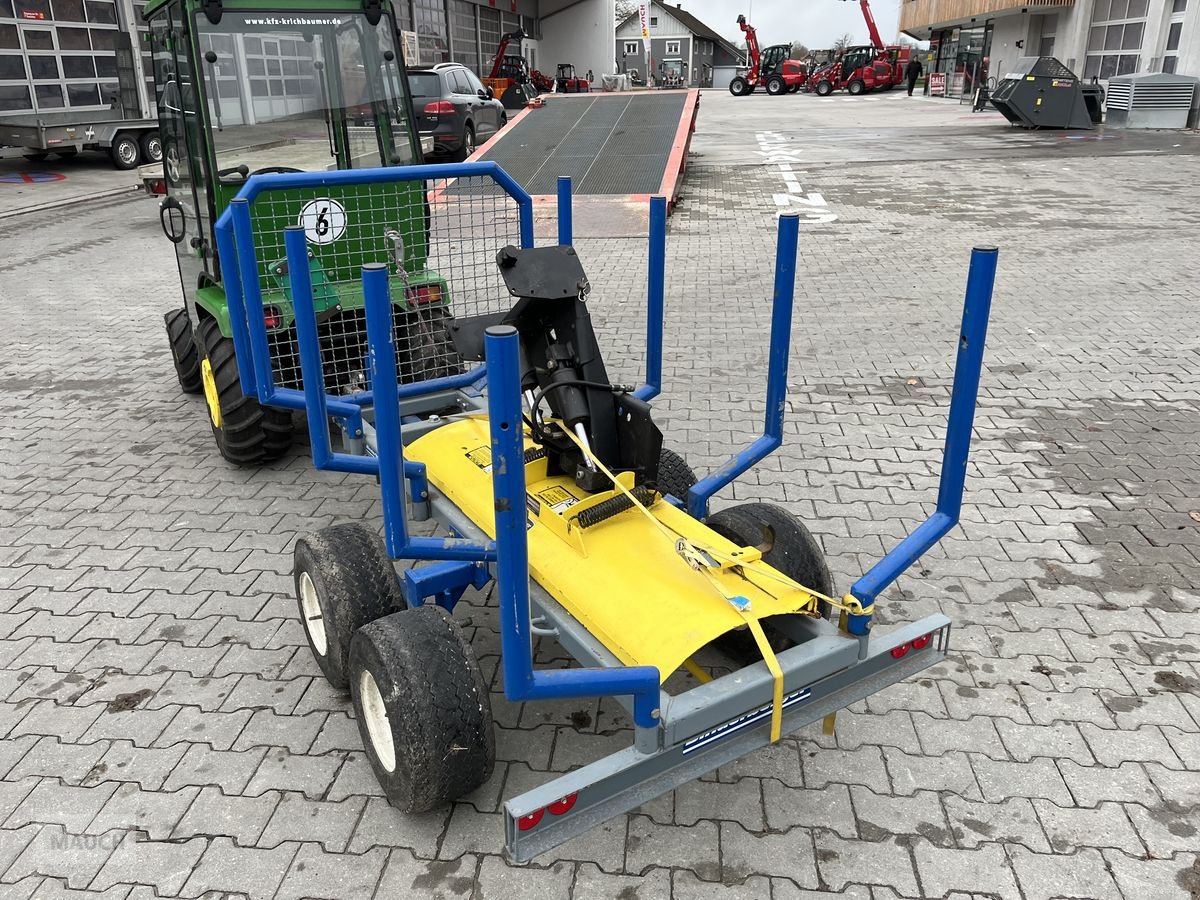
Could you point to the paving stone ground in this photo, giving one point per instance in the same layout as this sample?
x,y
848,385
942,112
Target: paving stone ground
x,y
165,733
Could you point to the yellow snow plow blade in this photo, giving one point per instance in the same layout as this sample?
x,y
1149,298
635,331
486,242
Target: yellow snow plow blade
x,y
625,577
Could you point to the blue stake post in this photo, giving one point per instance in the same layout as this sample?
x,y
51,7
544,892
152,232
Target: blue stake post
x,y
777,369
521,682
566,225
655,289
967,368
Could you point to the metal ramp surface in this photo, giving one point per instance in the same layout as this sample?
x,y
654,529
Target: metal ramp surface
x,y
618,149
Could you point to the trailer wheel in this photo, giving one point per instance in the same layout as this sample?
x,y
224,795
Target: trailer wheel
x,y
856,87
776,85
344,580
824,88
422,707
183,351
787,546
152,150
675,476
125,151
739,86
37,156
246,432
67,152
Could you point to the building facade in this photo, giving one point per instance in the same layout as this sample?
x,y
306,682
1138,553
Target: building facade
x,y
683,50
58,55
973,40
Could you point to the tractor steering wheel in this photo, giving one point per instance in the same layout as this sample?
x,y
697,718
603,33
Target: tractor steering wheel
x,y
271,170
244,172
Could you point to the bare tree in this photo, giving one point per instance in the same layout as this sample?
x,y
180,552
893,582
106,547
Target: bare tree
x,y
799,50
625,9
843,42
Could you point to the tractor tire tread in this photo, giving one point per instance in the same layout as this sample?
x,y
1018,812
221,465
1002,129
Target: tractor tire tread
x,y
356,584
184,355
250,433
438,706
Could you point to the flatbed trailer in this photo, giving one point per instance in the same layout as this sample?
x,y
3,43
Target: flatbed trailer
x,y
128,142
635,583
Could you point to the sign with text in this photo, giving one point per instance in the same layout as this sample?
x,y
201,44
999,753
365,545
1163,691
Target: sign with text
x,y
937,84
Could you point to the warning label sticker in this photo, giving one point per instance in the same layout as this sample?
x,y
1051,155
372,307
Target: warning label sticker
x,y
558,499
482,457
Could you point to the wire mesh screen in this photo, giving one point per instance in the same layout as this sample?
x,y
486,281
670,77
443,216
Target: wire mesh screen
x,y
440,247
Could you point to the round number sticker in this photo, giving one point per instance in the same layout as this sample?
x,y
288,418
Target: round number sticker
x,y
323,221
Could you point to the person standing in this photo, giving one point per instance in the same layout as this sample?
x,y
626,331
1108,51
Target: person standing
x,y
912,72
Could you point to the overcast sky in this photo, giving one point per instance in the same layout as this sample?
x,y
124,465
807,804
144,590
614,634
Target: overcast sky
x,y
815,23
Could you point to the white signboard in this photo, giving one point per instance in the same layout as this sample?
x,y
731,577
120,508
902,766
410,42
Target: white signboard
x,y
644,15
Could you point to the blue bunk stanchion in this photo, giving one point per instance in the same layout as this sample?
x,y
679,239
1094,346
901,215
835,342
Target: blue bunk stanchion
x,y
565,221
227,254
777,369
655,289
967,368
521,682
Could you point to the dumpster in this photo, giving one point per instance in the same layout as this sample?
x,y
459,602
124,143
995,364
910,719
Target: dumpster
x,y
1041,92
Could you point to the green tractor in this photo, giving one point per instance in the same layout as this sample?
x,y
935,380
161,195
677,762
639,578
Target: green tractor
x,y
246,87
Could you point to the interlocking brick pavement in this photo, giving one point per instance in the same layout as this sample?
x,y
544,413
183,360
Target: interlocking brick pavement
x,y
164,732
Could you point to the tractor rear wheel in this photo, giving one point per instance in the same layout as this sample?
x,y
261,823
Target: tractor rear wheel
x,y
675,476
344,580
788,547
425,349
739,87
246,432
776,85
183,351
824,88
422,707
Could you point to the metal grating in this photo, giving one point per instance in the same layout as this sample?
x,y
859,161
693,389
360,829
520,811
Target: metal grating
x,y
1164,95
450,245
1120,93
606,144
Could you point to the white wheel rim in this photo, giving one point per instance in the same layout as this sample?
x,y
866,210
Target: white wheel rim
x,y
314,621
375,715
128,152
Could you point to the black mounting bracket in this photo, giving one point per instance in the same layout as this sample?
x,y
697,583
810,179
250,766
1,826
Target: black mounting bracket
x,y
213,10
373,9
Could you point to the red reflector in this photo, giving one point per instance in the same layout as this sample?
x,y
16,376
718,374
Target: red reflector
x,y
272,317
563,804
526,822
921,642
424,293
898,652
439,108
158,187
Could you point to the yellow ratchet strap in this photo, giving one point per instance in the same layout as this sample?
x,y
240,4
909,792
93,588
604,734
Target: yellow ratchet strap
x,y
764,646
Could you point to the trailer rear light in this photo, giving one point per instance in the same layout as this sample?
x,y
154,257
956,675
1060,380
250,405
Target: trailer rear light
x,y
526,822
921,642
439,108
559,807
158,186
272,317
423,293
898,652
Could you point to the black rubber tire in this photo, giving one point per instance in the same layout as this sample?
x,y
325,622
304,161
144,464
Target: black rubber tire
x,y
468,144
424,345
824,88
183,351
152,148
125,151
67,152
739,86
675,476
776,86
439,714
37,156
787,546
345,573
250,434
856,88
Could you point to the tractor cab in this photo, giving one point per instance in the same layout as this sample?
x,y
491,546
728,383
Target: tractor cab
x,y
567,82
252,87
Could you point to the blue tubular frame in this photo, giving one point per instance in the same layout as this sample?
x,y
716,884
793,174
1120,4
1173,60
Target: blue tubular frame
x,y
967,368
655,289
521,681
777,369
381,345
566,225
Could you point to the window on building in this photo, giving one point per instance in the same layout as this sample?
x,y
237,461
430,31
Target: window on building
x,y
14,98
672,48
1115,38
462,28
12,68
430,21
489,36
1170,60
8,38
68,10
632,48
1049,29
654,21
